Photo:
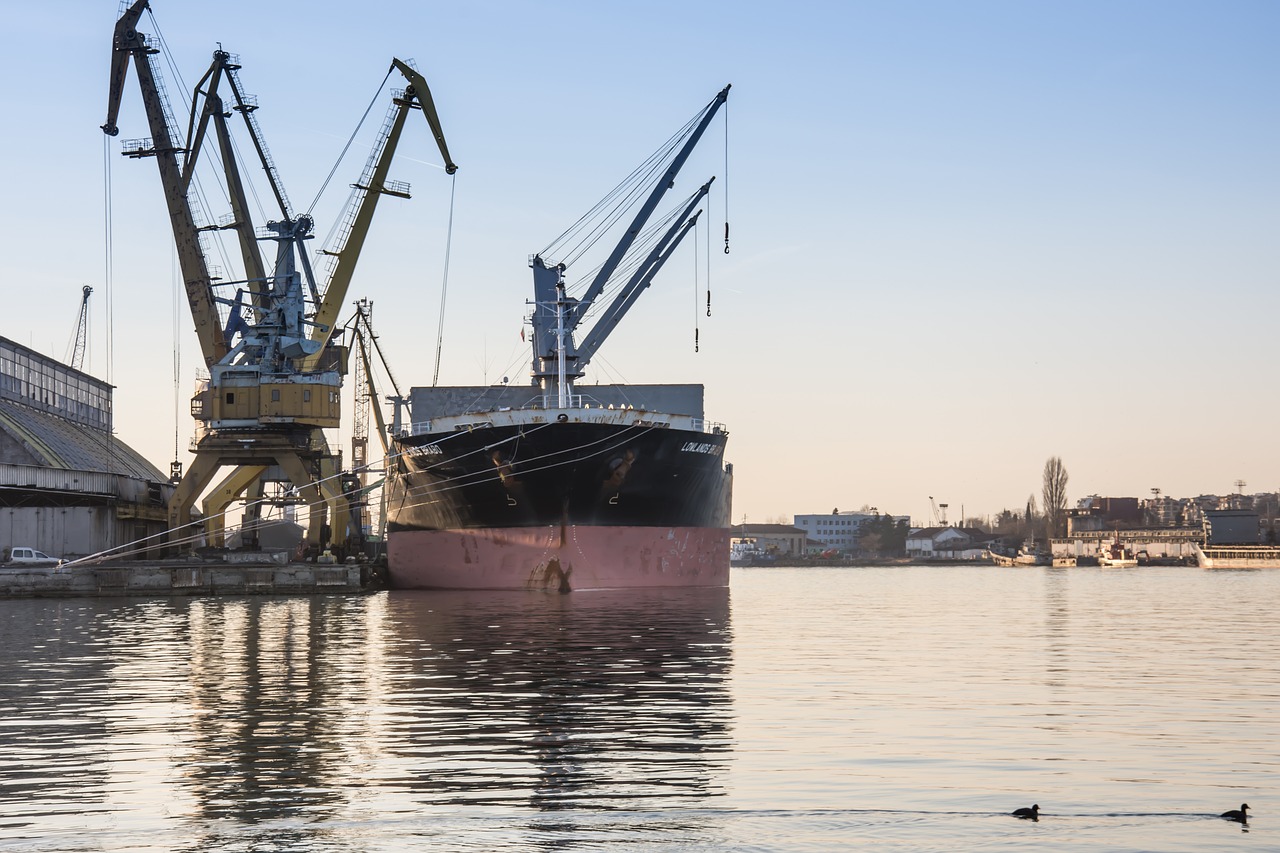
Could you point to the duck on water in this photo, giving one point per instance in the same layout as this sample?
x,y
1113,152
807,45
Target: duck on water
x,y
1241,814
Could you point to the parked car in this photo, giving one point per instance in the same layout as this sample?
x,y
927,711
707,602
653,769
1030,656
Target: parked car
x,y
23,556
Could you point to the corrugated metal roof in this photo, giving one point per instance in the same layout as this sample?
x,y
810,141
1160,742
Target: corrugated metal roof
x,y
57,443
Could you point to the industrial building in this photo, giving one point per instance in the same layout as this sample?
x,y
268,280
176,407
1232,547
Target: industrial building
x,y
68,486
839,530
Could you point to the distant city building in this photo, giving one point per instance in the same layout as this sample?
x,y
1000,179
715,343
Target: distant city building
x,y
838,530
1113,512
1095,513
1163,511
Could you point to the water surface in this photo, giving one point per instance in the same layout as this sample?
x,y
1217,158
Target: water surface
x,y
905,708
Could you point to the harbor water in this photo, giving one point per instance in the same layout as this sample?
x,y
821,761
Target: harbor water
x,y
905,708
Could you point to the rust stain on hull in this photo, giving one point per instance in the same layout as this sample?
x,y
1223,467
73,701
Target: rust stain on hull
x,y
550,575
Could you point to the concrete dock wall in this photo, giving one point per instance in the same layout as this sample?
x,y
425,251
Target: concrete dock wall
x,y
178,579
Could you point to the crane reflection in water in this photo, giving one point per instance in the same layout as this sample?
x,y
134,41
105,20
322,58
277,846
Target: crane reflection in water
x,y
612,699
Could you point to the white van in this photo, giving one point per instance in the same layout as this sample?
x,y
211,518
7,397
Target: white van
x,y
22,556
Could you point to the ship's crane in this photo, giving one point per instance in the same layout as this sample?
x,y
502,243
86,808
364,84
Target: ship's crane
x,y
76,358
275,371
557,360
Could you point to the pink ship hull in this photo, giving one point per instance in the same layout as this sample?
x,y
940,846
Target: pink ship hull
x,y
559,559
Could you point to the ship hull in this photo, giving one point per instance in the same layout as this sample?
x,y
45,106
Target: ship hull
x,y
527,501
1238,557
558,559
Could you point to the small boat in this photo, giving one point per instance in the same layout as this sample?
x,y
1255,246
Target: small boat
x,y
747,552
1022,558
1064,562
1116,556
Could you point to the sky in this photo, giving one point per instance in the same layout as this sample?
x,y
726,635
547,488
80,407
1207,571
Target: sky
x,y
965,237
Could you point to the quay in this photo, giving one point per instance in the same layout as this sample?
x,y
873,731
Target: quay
x,y
187,578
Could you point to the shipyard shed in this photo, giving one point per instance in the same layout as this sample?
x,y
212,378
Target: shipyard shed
x,y
68,486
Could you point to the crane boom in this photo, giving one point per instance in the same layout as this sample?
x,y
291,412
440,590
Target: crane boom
x,y
128,44
556,318
364,339
642,216
418,88
369,190
641,278
214,111
82,330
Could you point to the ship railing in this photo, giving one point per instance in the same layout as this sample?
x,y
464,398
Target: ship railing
x,y
576,401
552,401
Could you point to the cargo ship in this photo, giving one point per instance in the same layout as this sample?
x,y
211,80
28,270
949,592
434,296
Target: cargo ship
x,y
558,485
1237,556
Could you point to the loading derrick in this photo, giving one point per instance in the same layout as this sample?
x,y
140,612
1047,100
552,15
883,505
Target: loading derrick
x,y
267,338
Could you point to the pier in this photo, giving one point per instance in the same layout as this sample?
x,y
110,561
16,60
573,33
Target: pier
x,y
184,578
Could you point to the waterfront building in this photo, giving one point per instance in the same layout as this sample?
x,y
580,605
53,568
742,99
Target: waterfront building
x,y
782,540
838,530
1146,543
947,543
68,486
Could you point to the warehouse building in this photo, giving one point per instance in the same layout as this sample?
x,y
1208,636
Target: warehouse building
x,y
68,486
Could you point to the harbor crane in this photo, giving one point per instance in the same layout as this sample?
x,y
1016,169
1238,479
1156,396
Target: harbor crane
x,y
939,512
366,346
76,359
267,337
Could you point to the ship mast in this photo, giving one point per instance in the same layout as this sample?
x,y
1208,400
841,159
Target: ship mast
x,y
562,382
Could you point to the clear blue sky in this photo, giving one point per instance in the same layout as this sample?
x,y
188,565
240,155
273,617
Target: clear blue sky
x,y
966,236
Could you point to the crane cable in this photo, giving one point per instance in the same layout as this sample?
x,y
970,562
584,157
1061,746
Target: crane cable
x,y
345,148
177,360
726,187
107,247
695,286
444,286
108,267
422,495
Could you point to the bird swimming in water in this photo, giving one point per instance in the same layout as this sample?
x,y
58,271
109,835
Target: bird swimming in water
x,y
1241,815
1032,813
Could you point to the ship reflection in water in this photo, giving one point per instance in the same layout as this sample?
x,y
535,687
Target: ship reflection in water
x,y
225,722
606,698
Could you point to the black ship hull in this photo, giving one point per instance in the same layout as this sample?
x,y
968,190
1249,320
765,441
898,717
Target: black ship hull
x,y
532,501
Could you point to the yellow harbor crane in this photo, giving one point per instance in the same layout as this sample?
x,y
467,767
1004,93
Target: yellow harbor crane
x,y
267,339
